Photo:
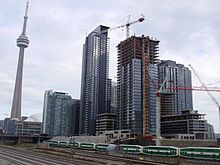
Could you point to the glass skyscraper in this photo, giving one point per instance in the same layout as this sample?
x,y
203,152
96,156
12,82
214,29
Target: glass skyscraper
x,y
136,97
178,77
95,85
153,73
74,111
55,113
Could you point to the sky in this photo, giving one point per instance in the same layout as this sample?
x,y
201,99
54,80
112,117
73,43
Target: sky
x,y
188,31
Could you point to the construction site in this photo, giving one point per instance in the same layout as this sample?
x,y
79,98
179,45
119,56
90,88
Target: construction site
x,y
162,89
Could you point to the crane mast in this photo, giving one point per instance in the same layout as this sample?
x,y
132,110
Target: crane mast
x,y
208,91
158,112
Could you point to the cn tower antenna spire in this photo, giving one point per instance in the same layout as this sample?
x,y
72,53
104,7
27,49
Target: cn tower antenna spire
x,y
25,19
26,11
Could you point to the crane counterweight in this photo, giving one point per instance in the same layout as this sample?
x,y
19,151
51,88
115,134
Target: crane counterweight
x,y
141,19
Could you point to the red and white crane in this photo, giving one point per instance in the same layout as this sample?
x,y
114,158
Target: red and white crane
x,y
208,91
194,88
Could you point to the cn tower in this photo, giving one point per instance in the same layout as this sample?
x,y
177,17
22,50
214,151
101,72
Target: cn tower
x,y
22,43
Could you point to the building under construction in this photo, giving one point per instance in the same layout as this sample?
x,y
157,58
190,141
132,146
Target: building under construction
x,y
136,97
188,125
167,103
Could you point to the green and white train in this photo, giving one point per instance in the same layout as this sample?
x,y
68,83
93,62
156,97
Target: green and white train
x,y
132,149
200,153
168,151
161,150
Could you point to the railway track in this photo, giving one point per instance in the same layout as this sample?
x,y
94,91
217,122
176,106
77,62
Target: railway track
x,y
66,156
93,155
19,156
117,158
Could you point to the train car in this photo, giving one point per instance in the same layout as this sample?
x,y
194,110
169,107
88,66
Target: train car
x,y
86,145
45,142
133,149
101,147
161,150
54,143
74,144
63,144
200,153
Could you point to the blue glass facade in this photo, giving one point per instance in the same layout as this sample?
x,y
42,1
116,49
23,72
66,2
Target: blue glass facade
x,y
95,85
178,76
153,71
136,97
55,113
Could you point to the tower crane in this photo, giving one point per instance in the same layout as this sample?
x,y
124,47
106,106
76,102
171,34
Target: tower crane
x,y
127,25
158,112
158,101
207,90
195,88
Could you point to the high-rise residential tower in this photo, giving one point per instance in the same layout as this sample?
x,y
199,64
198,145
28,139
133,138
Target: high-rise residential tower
x,y
22,43
56,113
114,97
136,94
74,111
179,76
95,85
